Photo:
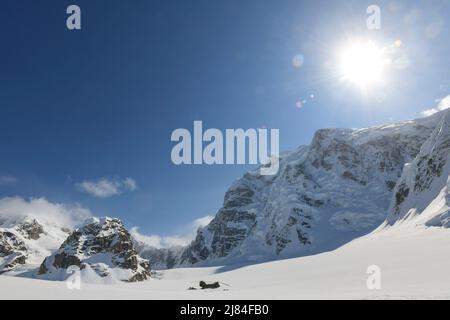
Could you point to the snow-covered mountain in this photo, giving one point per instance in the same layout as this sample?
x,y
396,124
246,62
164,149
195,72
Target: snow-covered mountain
x,y
104,252
324,195
422,194
26,241
343,185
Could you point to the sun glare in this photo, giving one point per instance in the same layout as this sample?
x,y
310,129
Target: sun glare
x,y
362,64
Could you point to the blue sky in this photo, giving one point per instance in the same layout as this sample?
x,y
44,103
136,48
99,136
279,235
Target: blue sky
x,y
79,106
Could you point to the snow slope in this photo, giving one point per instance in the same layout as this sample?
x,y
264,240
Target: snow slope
x,y
414,264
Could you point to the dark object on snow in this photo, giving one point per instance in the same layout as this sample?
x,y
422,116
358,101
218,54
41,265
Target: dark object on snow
x,y
213,285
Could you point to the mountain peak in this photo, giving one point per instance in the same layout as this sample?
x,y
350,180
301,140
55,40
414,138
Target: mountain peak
x,y
102,249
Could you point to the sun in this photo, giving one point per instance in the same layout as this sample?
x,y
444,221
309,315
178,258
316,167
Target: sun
x,y
362,64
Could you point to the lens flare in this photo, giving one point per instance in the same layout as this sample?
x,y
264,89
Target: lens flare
x,y
298,61
362,64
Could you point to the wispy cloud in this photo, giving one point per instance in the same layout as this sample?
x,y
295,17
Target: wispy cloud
x,y
105,188
443,104
7,180
15,208
187,234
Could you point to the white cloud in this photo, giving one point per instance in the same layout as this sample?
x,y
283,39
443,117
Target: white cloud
x,y
15,208
104,188
444,103
186,235
130,184
7,180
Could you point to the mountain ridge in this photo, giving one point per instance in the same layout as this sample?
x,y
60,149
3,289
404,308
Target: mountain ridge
x,y
325,194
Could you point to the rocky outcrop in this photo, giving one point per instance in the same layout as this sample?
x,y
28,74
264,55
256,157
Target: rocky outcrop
x,y
31,229
103,246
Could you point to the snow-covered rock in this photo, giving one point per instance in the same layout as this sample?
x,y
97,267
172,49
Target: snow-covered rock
x,y
103,251
422,194
25,242
13,251
324,195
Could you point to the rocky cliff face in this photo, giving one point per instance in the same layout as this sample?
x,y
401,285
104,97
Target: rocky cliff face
x,y
323,196
101,248
422,194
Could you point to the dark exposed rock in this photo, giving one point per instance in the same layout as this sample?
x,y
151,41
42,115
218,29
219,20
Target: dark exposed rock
x,y
31,229
400,196
64,260
348,175
390,185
